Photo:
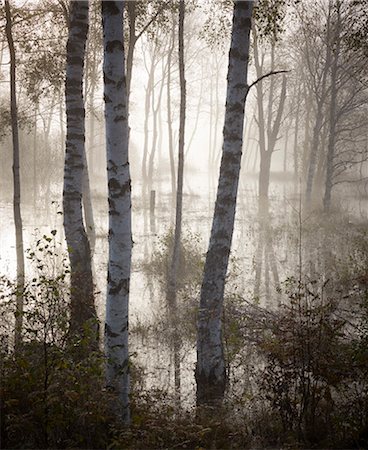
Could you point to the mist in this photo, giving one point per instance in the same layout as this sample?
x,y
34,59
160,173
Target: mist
x,y
183,232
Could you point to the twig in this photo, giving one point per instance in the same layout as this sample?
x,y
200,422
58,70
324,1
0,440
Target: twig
x,y
274,72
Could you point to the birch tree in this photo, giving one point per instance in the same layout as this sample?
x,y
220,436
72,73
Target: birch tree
x,y
82,301
210,370
16,177
119,194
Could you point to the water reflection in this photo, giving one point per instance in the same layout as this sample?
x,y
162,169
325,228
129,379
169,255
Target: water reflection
x,y
265,251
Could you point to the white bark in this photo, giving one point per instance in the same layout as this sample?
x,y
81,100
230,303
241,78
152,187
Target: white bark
x,y
82,302
16,179
119,193
210,370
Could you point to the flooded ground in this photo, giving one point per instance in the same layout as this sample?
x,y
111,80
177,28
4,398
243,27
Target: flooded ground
x,y
261,258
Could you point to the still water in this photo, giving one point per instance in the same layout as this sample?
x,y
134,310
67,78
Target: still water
x,y
147,301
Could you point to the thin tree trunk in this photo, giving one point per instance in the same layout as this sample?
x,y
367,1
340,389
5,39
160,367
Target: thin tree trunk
x,y
314,151
155,112
82,299
160,121
35,148
319,177
313,155
119,194
169,118
266,127
216,152
296,135
16,180
286,144
258,263
198,113
332,119
149,90
306,141
132,15
152,154
61,124
90,73
264,175
210,370
266,155
88,207
173,272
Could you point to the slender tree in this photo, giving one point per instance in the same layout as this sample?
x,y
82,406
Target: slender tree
x,y
210,370
119,193
169,115
173,272
267,127
16,177
82,300
138,12
321,93
332,118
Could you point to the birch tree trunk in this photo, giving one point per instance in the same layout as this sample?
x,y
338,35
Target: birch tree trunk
x,y
210,370
16,179
82,301
119,194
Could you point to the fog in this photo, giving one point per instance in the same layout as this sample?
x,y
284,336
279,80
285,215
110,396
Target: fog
x,y
301,208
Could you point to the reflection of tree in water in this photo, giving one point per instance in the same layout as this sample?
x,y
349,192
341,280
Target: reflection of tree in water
x,y
265,259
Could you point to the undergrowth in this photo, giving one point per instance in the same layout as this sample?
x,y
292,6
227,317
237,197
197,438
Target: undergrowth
x,y
298,373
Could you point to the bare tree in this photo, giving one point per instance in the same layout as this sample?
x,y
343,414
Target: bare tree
x,y
268,122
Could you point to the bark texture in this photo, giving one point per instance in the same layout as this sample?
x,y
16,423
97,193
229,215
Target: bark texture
x,y
210,370
16,179
119,194
82,301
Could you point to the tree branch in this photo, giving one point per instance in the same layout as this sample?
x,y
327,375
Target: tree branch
x,y
274,72
153,18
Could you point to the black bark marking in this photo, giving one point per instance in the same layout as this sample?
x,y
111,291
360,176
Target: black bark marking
x,y
110,8
110,333
114,45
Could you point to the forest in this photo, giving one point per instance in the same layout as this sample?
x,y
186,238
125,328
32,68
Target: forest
x,y
183,224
